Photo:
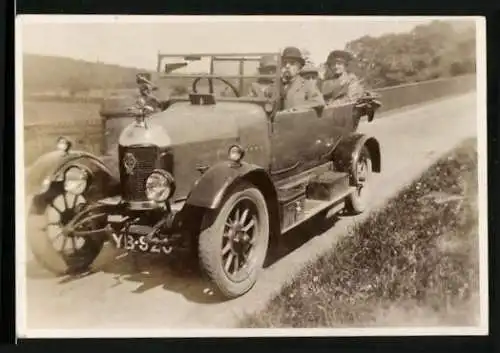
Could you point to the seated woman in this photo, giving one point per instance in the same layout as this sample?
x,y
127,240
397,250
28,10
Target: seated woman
x,y
339,85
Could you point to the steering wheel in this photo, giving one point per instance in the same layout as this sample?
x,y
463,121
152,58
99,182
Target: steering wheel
x,y
195,83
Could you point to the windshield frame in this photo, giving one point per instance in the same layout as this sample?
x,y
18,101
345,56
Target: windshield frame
x,y
240,58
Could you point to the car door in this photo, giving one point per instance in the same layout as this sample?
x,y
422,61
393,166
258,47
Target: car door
x,y
302,138
335,123
293,141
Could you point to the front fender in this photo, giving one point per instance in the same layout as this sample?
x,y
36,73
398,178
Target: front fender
x,y
212,186
349,148
49,168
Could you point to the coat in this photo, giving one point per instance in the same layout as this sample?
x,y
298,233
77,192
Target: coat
x,y
342,89
301,93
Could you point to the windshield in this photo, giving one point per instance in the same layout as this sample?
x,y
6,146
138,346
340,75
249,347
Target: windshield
x,y
252,72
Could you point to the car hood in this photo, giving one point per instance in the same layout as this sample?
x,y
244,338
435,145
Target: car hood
x,y
186,123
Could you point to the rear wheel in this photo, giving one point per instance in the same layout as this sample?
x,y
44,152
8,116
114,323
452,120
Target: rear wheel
x,y
58,252
233,247
358,201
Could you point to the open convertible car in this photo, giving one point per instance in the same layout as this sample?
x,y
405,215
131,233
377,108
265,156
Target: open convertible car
x,y
206,167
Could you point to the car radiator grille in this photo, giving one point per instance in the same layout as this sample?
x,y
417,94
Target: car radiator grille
x,y
133,179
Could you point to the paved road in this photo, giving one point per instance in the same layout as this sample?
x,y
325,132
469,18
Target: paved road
x,y
117,297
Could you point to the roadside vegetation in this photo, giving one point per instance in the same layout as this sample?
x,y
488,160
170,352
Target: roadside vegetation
x,y
413,263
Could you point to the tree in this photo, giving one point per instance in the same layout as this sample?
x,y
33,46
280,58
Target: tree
x,y
426,52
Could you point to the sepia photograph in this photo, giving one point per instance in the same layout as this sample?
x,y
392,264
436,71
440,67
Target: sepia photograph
x,y
196,176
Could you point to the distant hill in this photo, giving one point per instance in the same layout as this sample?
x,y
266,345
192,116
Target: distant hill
x,y
50,73
62,77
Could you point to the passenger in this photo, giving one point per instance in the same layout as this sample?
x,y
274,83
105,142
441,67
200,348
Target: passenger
x,y
297,92
263,87
339,85
310,72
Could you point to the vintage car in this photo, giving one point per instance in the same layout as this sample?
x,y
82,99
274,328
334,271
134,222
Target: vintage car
x,y
218,171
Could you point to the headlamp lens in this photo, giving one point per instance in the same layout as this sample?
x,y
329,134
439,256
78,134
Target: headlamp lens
x,y
63,144
159,186
75,180
235,153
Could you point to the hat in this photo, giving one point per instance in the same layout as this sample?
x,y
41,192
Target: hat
x,y
339,54
267,61
293,53
309,67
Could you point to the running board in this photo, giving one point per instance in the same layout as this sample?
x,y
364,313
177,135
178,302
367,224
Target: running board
x,y
313,207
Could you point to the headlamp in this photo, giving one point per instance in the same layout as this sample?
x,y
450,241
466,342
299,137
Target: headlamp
x,y
236,153
159,186
63,144
75,180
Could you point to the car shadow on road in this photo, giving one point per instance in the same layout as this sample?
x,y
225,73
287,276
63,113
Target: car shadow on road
x,y
180,274
299,236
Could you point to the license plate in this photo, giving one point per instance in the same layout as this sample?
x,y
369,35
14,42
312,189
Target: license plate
x,y
138,243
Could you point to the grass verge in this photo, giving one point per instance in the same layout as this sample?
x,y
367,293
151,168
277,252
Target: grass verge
x,y
413,263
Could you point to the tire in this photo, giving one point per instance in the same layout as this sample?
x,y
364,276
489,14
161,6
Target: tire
x,y
222,248
50,247
358,201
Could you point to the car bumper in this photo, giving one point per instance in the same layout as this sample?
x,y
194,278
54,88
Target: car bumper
x,y
129,226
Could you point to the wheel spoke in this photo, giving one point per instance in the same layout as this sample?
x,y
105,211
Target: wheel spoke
x,y
226,248
236,263
249,246
54,223
249,225
237,215
229,261
73,204
65,198
245,254
73,242
229,223
80,200
244,217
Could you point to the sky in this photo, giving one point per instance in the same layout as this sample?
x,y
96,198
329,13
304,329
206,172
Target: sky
x,y
134,41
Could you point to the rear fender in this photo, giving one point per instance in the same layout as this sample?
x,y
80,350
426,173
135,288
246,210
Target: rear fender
x,y
216,182
49,170
347,152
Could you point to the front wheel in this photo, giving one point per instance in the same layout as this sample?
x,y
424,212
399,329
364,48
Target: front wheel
x,y
234,240
61,253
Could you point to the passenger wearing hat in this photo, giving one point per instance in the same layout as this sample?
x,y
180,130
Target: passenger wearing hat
x,y
297,92
263,87
310,72
339,85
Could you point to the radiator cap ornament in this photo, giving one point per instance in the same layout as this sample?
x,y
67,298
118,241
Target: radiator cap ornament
x,y
129,162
